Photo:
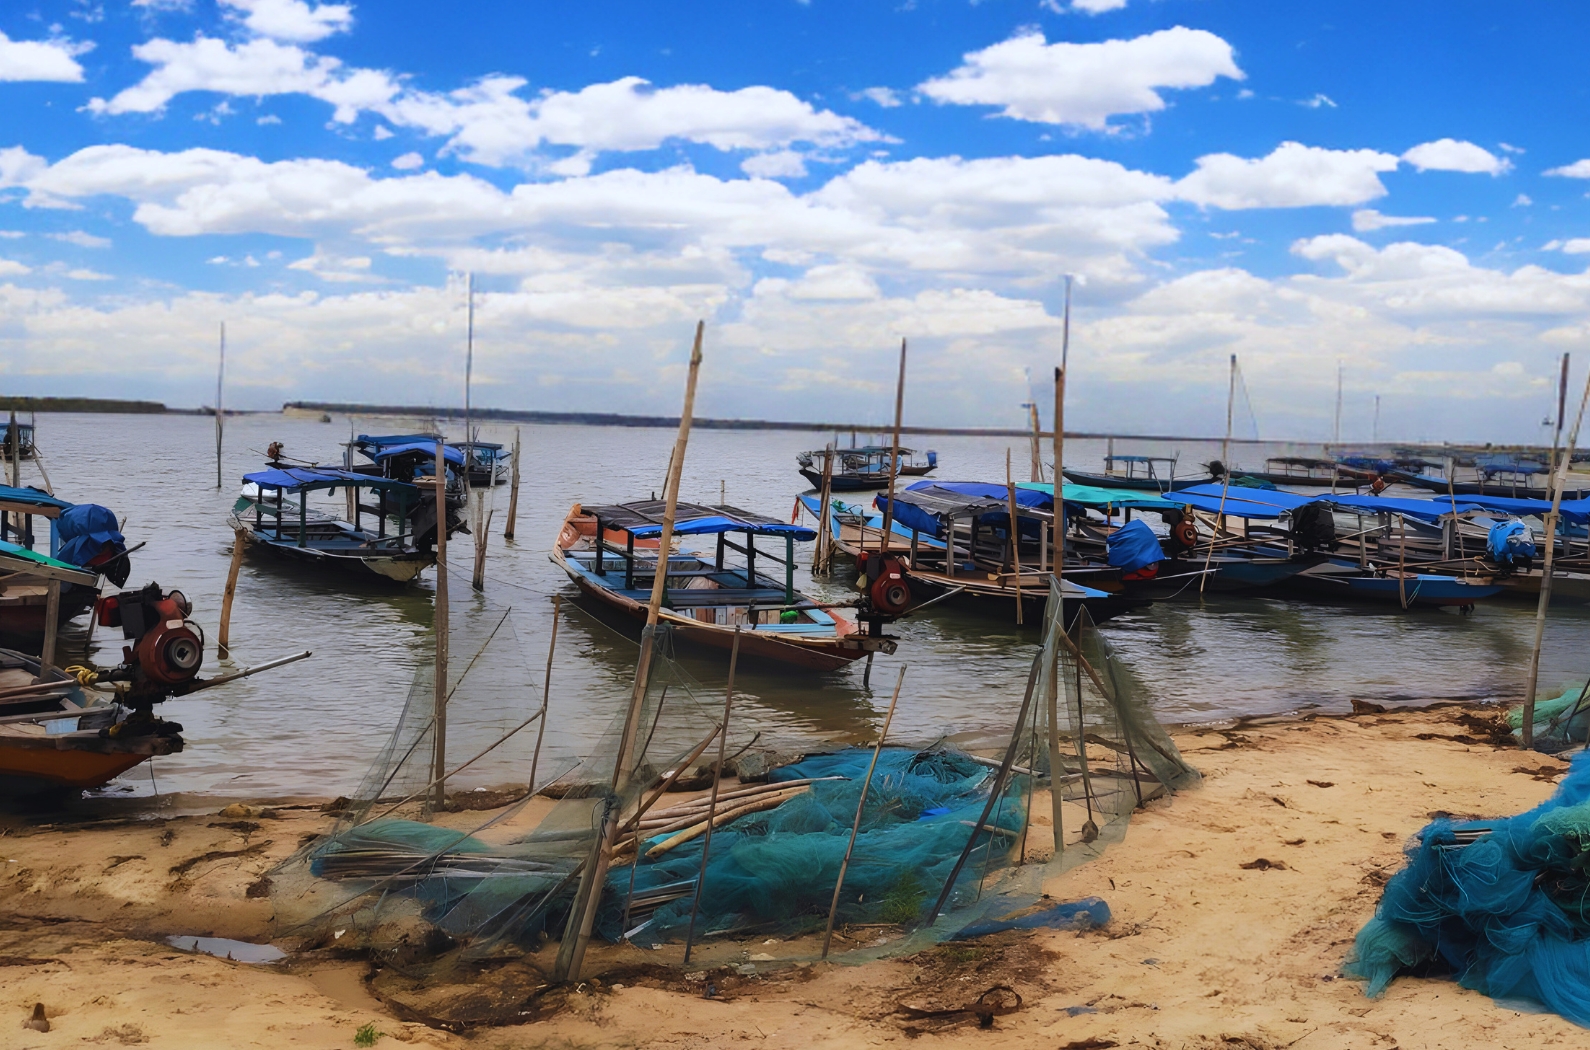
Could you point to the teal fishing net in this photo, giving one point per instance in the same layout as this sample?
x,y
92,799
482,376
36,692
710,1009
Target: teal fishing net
x,y
1501,906
1560,722
956,833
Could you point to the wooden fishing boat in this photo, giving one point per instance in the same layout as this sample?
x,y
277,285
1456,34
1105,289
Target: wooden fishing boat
x,y
399,545
864,467
1145,482
486,462
16,440
707,597
59,741
89,544
1347,582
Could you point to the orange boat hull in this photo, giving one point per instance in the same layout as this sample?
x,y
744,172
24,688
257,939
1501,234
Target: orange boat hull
x,y
41,764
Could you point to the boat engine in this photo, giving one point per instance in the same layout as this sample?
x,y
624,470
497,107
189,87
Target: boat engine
x,y
166,647
885,593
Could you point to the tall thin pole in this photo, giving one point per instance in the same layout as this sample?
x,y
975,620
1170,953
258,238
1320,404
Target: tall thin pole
x,y
220,380
439,621
861,802
894,453
1225,477
469,358
1336,439
1037,456
712,803
1056,770
1559,478
1065,329
1015,533
546,689
588,897
1376,431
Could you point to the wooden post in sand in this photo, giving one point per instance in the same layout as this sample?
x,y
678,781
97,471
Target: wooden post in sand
x,y
513,490
439,622
223,639
588,896
1052,700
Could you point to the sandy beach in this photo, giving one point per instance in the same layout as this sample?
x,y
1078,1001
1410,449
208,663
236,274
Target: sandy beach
x,y
1233,907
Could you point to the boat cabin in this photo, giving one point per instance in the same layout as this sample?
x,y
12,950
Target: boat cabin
x,y
280,519
1146,468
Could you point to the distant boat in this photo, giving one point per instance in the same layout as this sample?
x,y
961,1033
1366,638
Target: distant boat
x,y
397,543
1341,582
864,467
1144,473
487,462
16,440
611,554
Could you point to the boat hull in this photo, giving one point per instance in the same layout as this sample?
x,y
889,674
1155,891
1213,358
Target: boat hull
x,y
1423,590
859,482
1482,488
986,597
71,763
1115,481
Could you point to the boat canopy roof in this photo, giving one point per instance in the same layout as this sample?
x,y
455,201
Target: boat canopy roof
x,y
1144,459
1240,502
1574,510
382,440
1100,497
1273,503
926,506
304,479
17,558
493,446
1301,461
31,496
450,453
643,519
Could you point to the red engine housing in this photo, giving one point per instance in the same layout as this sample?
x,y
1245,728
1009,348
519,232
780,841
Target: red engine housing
x,y
890,593
166,648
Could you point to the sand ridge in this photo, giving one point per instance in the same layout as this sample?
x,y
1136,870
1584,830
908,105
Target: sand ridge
x,y
1234,905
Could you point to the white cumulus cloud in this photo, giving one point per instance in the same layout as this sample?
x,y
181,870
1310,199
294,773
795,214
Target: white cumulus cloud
x,y
1367,220
291,20
1291,176
1579,169
40,60
1453,155
1085,84
408,162
781,164
12,268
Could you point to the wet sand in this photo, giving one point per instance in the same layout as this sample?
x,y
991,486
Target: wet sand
x,y
1208,947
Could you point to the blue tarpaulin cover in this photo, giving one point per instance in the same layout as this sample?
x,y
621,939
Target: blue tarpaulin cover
x,y
643,519
1423,509
83,532
1574,510
1239,502
1134,546
1509,540
292,479
449,453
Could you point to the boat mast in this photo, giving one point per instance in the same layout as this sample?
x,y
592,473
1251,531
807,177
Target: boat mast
x,y
1336,440
469,363
894,454
1225,477
220,377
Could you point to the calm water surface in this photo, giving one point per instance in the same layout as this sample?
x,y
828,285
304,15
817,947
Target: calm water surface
x,y
314,727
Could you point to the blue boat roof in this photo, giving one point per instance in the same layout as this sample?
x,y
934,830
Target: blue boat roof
x,y
1574,510
1239,502
449,452
1423,509
1026,495
395,439
1098,496
30,495
643,519
294,479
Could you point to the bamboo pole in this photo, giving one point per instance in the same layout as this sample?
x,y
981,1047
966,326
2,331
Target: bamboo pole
x,y
1559,478
38,461
1053,699
439,621
712,804
513,490
52,622
588,895
14,461
1037,456
861,802
223,638
546,688
1402,560
1015,533
1225,477
482,535
885,541
1337,439
220,378
822,558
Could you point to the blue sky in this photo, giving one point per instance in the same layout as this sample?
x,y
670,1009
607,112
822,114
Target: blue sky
x,y
1391,188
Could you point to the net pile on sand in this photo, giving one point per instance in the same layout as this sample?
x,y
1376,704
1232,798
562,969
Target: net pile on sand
x,y
1503,906
946,839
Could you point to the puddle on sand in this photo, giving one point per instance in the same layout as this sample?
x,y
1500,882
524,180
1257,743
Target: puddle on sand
x,y
226,948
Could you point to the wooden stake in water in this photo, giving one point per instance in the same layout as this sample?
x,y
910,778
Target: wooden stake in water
x,y
220,379
223,638
825,510
886,541
513,490
439,757
855,827
588,896
1559,478
712,803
